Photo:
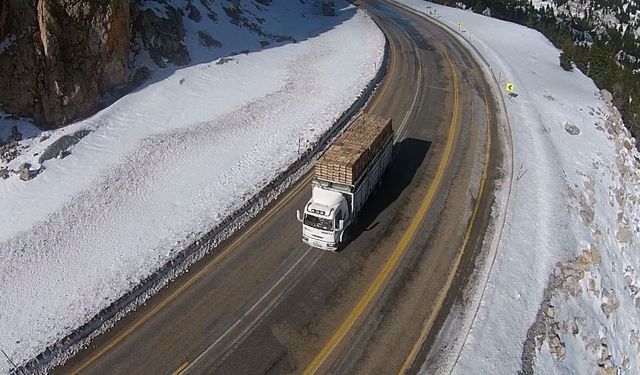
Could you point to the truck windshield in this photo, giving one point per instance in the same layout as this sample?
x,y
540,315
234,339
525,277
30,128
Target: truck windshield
x,y
318,222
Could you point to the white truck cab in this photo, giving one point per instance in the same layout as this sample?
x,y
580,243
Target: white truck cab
x,y
325,218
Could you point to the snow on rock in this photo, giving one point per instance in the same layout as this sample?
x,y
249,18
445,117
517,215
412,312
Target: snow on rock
x,y
163,165
564,293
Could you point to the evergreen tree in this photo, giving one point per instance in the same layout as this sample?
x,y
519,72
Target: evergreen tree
x,y
565,62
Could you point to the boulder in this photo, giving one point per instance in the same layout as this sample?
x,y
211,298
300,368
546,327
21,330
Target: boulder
x,y
550,312
572,326
606,96
610,303
571,129
60,147
194,13
162,35
557,347
208,41
9,151
627,144
25,172
15,134
624,234
328,8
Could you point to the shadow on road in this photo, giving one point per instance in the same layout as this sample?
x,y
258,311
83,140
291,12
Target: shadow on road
x,y
408,156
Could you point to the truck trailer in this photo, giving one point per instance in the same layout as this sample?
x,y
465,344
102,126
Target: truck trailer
x,y
344,178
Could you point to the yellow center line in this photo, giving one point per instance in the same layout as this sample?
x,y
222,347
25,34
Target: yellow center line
x,y
390,265
426,328
180,369
197,276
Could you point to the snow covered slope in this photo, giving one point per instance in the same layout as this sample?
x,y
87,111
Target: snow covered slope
x,y
169,162
563,295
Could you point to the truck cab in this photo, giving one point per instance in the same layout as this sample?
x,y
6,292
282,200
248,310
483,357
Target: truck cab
x,y
324,219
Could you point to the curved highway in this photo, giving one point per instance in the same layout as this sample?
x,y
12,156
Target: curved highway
x,y
266,303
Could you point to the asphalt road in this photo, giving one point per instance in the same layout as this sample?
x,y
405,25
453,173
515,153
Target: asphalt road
x,y
267,303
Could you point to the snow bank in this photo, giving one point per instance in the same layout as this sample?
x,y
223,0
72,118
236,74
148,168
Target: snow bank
x,y
563,295
162,166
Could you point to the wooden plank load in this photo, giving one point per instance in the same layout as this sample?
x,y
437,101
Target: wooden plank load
x,y
347,159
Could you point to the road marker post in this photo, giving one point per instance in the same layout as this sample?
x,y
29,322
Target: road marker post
x,y
511,90
510,87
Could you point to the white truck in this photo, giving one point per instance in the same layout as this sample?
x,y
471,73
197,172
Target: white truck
x,y
344,178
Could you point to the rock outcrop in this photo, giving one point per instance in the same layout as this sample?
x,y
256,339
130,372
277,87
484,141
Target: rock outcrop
x,y
4,19
162,34
60,60
20,62
66,56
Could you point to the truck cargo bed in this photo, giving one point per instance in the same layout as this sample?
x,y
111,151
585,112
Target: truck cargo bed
x,y
346,160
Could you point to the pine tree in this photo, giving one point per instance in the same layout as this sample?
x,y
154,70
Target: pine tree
x,y
565,62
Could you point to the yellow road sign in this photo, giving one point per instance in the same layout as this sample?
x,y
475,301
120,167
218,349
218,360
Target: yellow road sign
x,y
510,87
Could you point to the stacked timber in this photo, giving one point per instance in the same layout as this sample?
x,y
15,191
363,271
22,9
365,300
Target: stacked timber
x,y
349,156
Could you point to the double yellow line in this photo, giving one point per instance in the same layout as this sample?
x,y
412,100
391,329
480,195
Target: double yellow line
x,y
390,265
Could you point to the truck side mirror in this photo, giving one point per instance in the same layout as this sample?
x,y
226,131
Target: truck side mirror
x,y
341,225
299,215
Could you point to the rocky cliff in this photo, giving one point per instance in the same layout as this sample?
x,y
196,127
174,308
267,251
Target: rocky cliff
x,y
60,60
62,56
